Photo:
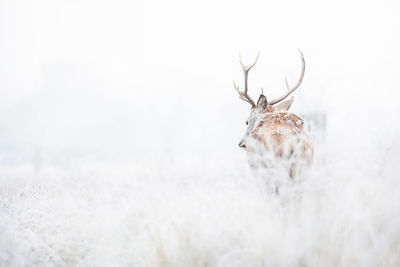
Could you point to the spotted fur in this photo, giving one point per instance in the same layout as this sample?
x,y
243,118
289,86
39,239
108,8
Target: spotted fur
x,y
281,133
284,134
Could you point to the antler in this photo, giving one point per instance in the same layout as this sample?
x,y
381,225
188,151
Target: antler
x,y
279,99
243,95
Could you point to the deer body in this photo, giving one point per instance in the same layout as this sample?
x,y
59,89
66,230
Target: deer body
x,y
275,136
282,137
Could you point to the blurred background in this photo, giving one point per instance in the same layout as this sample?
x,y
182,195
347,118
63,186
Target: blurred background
x,y
141,89
105,79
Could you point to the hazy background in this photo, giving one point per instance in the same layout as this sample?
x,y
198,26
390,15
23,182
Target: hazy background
x,y
119,128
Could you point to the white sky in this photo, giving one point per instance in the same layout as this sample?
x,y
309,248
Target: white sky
x,y
100,72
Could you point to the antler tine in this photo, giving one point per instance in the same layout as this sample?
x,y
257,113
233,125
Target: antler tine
x,y
287,84
243,95
279,99
247,68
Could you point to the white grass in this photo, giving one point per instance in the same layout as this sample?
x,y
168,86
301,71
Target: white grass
x,y
166,214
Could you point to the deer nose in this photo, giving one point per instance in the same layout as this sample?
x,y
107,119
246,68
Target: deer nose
x,y
242,144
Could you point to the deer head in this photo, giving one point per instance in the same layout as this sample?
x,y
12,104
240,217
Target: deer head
x,y
263,105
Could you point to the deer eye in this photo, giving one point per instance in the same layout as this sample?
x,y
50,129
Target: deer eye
x,y
247,123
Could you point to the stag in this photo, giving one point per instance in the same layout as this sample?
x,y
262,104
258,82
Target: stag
x,y
273,132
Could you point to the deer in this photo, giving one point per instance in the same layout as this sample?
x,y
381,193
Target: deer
x,y
274,135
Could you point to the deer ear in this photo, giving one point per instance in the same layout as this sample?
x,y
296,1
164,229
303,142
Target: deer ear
x,y
285,105
262,102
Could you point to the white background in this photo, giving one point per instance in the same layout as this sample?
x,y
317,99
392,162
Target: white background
x,y
114,93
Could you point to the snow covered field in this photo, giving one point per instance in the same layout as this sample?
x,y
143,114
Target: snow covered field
x,y
119,128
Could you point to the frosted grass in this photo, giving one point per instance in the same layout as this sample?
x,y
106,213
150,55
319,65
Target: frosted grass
x,y
164,214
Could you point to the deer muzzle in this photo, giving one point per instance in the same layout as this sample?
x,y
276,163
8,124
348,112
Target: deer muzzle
x,y
242,144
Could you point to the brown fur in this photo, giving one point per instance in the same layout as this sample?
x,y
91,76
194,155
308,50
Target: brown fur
x,y
283,133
